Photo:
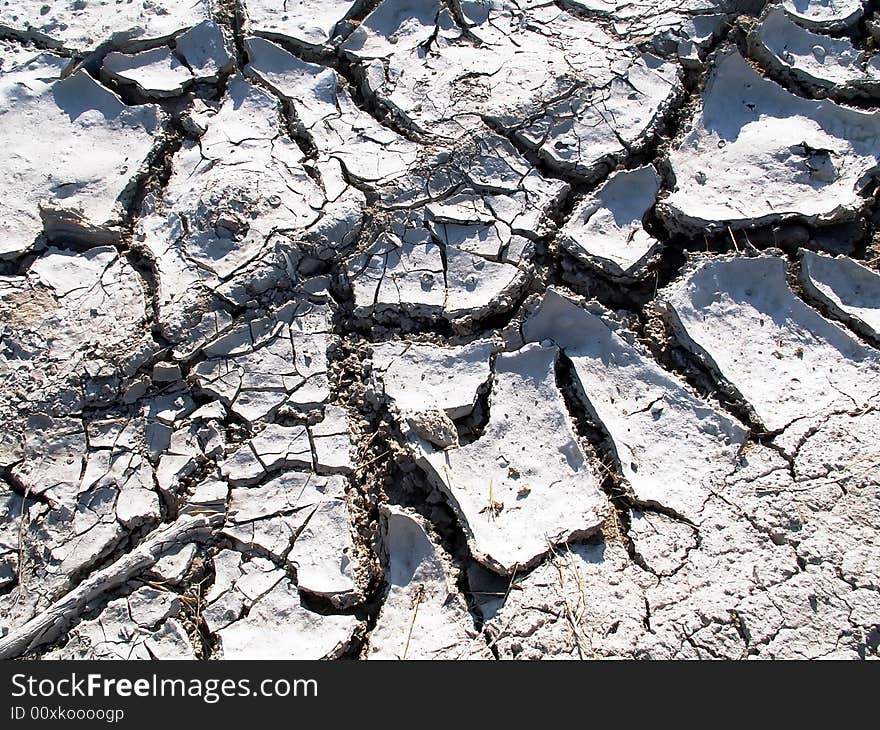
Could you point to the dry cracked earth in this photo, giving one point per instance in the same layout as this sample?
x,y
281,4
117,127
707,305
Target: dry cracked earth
x,y
439,329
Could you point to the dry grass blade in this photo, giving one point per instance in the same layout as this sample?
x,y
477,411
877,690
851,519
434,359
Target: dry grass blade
x,y
417,600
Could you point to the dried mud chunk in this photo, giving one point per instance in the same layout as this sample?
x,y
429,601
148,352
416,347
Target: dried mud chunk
x,y
278,626
175,564
51,604
606,231
584,602
309,23
408,270
782,358
423,615
430,386
666,21
817,60
156,73
141,626
662,542
525,484
82,150
13,508
590,132
54,452
825,15
672,447
331,440
757,154
85,25
324,554
396,24
507,65
273,448
271,364
301,519
368,150
206,50
232,197
849,290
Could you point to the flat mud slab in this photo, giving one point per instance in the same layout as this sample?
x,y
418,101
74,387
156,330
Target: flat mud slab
x,y
427,329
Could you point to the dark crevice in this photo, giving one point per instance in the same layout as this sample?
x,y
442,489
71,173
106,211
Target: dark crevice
x,y
597,449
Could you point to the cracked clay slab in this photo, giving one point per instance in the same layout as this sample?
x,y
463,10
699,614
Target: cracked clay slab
x,y
82,150
426,377
232,194
278,626
643,409
86,24
849,291
818,61
423,616
825,15
525,484
606,231
781,357
756,154
312,23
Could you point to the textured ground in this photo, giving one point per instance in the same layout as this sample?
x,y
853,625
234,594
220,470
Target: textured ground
x,y
439,329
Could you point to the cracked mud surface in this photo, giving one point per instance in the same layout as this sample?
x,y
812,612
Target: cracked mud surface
x,y
461,329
